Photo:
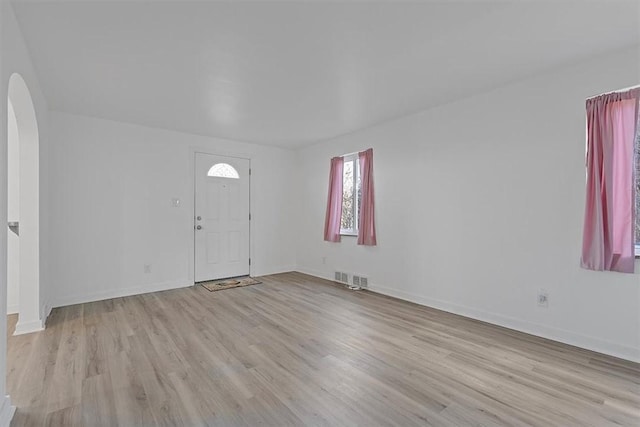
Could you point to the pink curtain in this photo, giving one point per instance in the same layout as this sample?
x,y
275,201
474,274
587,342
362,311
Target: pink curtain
x,y
334,202
366,220
608,237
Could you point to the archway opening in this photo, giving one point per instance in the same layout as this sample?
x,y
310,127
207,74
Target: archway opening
x,y
13,213
23,207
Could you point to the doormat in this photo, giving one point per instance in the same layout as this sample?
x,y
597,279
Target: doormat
x,y
236,282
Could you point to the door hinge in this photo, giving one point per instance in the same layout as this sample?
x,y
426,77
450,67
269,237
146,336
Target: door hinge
x,y
249,217
249,171
249,261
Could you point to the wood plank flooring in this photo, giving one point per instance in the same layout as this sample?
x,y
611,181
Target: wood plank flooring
x,y
296,350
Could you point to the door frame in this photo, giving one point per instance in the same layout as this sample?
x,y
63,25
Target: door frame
x,y
192,203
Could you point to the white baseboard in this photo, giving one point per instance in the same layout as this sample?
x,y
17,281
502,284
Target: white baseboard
x,y
315,273
45,312
13,309
117,293
544,331
6,412
62,301
28,327
275,270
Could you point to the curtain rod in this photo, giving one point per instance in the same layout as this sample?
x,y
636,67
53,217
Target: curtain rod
x,y
350,154
615,91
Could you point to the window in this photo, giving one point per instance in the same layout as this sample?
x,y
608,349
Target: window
x,y
637,187
223,170
351,195
350,203
610,233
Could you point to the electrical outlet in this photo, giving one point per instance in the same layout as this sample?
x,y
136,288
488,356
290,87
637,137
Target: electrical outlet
x,y
543,298
147,268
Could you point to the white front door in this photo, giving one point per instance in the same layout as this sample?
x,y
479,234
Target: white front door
x,y
221,217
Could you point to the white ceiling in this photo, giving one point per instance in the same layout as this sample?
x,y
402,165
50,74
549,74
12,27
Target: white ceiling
x,y
292,73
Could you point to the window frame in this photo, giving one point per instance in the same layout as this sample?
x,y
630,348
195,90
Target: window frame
x,y
356,173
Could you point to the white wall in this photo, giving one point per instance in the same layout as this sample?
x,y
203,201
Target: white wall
x,y
13,213
480,204
111,190
30,318
14,58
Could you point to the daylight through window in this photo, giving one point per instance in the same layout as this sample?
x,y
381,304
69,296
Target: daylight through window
x,y
351,195
223,170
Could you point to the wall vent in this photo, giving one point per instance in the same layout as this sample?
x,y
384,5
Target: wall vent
x,y
341,277
359,281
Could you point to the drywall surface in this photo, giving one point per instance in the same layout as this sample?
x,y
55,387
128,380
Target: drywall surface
x,y
480,205
111,207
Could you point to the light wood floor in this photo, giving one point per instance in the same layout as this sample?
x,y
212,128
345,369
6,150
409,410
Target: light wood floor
x,y
296,350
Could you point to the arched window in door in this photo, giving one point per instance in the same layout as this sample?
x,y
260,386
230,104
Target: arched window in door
x,y
223,170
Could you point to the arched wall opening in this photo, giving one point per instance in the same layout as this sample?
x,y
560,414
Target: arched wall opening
x,y
26,269
13,213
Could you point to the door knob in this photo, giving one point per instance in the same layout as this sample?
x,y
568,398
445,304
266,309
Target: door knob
x,y
198,227
198,218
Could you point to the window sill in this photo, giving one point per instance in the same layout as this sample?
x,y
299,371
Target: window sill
x,y
348,233
637,251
